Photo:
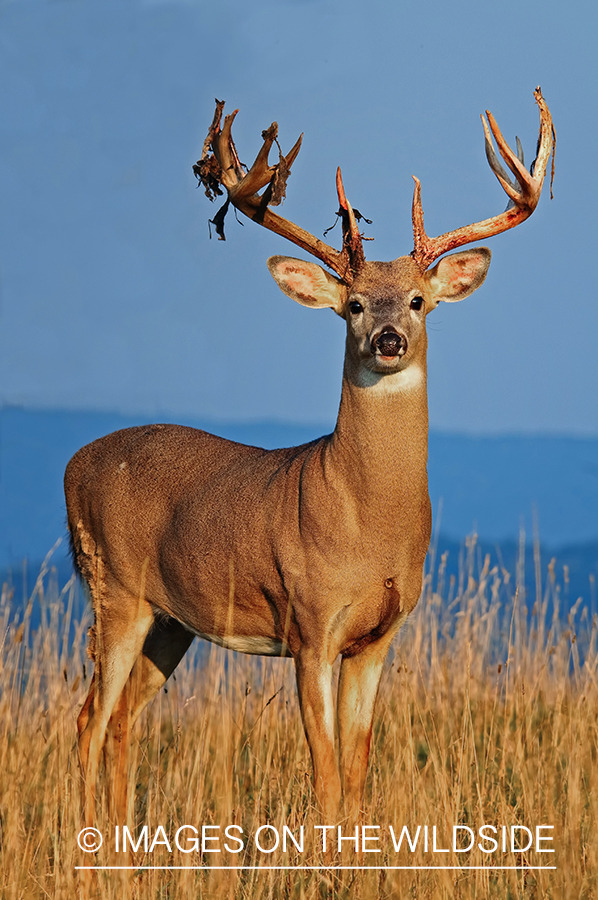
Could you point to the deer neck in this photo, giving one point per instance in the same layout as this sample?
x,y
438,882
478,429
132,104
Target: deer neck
x,y
379,447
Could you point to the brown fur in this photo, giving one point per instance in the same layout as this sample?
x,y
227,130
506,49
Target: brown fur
x,y
317,550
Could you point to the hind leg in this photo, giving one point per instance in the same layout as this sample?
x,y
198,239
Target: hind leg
x,y
116,737
122,624
164,647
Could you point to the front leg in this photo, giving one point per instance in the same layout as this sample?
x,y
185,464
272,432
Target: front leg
x,y
314,685
357,691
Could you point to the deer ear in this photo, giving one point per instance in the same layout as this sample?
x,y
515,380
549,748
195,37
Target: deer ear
x,y
308,283
459,275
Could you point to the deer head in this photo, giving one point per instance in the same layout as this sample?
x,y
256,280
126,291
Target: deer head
x,y
383,303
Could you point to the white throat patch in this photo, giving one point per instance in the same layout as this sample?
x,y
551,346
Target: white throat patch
x,y
405,380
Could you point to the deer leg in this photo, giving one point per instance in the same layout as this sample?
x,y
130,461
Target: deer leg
x,y
119,641
164,647
357,690
116,754
115,745
314,685
84,714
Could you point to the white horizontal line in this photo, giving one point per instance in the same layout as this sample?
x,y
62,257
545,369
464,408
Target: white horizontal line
x,y
321,868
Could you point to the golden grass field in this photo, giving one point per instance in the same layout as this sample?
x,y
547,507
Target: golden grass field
x,y
487,714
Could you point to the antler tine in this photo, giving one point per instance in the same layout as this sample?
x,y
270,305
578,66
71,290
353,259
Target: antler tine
x,y
546,140
226,153
513,162
261,173
495,164
524,192
351,236
224,168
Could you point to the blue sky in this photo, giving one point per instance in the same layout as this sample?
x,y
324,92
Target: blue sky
x,y
112,295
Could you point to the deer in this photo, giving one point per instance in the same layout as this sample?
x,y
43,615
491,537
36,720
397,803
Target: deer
x,y
312,552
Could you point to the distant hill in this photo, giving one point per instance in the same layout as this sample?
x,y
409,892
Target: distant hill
x,y
487,484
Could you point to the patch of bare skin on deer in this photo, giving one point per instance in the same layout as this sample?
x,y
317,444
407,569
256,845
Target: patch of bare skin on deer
x,y
389,584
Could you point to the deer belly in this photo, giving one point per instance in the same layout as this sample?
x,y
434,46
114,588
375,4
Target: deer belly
x,y
257,645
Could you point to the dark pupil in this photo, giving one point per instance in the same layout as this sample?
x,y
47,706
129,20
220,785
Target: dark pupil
x,y
417,302
355,307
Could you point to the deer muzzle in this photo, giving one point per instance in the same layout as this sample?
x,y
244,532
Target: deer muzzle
x,y
389,343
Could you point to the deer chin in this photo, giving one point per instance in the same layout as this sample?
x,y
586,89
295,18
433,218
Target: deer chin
x,y
386,365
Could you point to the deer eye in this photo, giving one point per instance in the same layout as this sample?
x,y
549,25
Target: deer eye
x,y
355,307
417,303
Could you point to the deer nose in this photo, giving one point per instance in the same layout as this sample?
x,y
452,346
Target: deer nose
x,y
389,343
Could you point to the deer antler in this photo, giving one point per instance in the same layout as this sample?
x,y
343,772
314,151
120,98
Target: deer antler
x,y
223,167
524,192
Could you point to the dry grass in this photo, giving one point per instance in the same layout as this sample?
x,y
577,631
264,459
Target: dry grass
x,y
487,714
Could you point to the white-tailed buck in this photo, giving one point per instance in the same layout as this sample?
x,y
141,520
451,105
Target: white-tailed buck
x,y
310,552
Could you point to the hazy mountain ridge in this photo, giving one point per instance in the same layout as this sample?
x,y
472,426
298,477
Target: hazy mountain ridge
x,y
488,484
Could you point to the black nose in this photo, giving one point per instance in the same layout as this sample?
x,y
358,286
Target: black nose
x,y
389,343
